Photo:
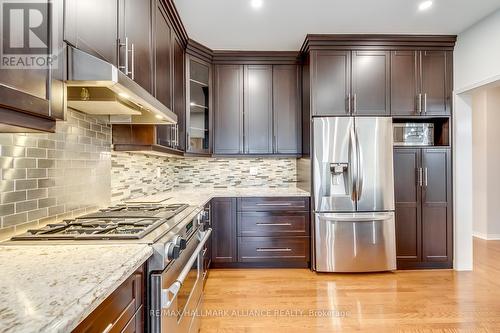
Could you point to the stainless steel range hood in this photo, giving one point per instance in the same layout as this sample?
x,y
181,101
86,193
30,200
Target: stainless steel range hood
x,y
97,87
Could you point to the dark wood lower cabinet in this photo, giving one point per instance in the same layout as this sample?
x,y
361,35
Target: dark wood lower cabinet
x,y
122,311
261,232
271,249
424,234
224,230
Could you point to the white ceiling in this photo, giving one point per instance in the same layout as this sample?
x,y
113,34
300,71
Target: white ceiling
x,y
283,24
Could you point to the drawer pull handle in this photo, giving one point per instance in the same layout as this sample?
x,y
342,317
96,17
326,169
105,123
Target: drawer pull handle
x,y
275,204
274,224
264,249
108,328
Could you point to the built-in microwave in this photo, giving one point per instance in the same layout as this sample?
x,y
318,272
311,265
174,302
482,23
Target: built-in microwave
x,y
413,134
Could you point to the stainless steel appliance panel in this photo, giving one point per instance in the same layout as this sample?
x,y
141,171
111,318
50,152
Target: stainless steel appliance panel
x,y
413,134
375,175
334,164
355,242
176,292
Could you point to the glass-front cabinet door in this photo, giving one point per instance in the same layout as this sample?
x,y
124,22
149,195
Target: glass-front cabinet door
x,y
199,105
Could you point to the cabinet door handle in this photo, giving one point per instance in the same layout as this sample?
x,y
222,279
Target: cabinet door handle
x,y
425,103
426,173
354,104
420,177
132,50
273,224
124,67
419,103
349,103
275,204
273,249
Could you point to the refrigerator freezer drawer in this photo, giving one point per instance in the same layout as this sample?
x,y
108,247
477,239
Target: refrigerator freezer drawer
x,y
355,242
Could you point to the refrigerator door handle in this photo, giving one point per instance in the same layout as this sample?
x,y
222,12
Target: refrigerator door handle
x,y
353,165
355,217
359,180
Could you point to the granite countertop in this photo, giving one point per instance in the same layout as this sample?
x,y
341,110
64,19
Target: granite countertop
x,y
52,288
200,196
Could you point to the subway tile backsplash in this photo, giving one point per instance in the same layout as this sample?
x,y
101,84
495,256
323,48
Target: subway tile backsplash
x,y
45,178
48,177
135,175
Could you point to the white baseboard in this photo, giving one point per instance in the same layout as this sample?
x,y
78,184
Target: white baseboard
x,y
486,236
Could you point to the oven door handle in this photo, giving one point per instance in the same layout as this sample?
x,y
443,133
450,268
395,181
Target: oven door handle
x,y
168,295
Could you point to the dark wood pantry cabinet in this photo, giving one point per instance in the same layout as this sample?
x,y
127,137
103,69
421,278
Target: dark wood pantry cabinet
x,y
421,82
423,207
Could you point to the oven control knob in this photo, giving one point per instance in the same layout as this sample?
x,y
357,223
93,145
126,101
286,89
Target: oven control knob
x,y
180,242
172,251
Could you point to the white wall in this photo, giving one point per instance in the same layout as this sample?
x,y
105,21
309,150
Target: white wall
x,y
477,54
476,63
480,165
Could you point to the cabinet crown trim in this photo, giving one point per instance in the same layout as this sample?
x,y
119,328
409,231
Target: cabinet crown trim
x,y
322,41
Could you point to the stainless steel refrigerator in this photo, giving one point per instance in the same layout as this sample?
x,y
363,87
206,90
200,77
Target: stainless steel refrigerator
x,y
353,194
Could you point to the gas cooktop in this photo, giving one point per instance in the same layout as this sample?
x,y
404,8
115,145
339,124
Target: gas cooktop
x,y
118,222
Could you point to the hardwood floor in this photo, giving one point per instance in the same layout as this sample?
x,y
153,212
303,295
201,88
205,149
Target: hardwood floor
x,y
404,301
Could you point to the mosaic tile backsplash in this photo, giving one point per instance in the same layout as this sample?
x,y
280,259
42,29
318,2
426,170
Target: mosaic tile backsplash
x,y
135,175
49,177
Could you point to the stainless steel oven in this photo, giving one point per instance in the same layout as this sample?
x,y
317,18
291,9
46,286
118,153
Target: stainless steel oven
x,y
176,292
413,134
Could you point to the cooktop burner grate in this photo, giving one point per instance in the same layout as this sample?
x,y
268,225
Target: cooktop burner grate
x,y
118,222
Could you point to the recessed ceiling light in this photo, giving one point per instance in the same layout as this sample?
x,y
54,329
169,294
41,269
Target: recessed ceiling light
x,y
425,5
256,4
124,95
159,116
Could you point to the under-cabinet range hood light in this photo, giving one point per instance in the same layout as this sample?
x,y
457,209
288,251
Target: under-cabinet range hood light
x,y
97,87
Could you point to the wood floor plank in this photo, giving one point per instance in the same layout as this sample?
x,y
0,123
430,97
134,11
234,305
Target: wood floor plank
x,y
298,300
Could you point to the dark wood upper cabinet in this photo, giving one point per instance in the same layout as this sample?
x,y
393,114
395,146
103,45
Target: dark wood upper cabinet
x,y
421,83
92,26
286,109
408,204
258,106
436,205
370,83
436,83
162,55
347,83
404,83
330,82
224,246
30,98
199,109
423,207
135,28
228,109
179,97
